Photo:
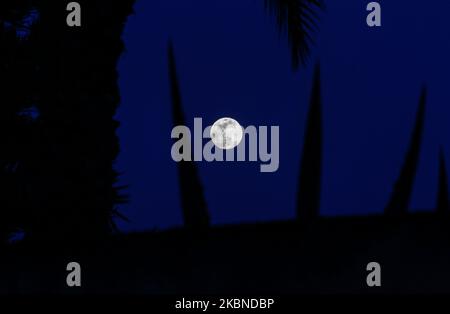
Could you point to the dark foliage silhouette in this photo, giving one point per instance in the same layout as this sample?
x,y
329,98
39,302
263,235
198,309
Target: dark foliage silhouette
x,y
17,78
308,198
79,98
298,19
195,212
63,165
398,204
12,12
442,203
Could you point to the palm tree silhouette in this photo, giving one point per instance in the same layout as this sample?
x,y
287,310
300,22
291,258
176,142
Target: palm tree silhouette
x,y
65,176
17,78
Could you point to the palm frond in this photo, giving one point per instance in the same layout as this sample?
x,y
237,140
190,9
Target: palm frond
x,y
401,195
297,18
118,214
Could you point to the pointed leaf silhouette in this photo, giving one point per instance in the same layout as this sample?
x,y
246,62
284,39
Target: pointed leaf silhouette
x,y
401,195
298,18
195,212
442,204
308,202
71,176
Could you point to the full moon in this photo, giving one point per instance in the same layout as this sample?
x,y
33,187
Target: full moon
x,y
226,133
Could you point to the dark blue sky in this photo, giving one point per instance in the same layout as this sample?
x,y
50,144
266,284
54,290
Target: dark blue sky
x,y
231,62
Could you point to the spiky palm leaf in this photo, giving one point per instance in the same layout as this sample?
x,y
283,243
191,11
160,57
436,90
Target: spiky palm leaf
x,y
309,189
401,195
297,18
195,211
442,203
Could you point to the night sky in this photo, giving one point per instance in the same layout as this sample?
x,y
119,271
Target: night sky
x,y
231,62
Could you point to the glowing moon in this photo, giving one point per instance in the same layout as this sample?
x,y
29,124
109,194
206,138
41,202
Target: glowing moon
x,y
226,133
